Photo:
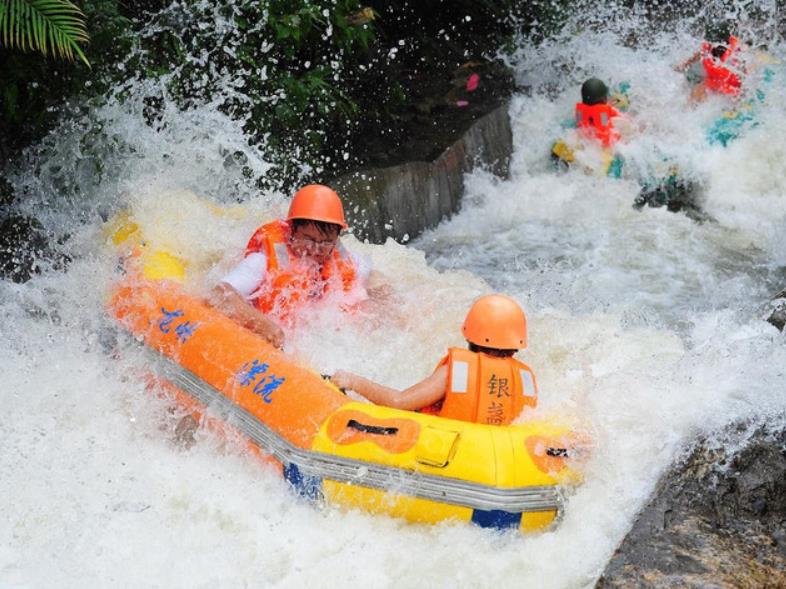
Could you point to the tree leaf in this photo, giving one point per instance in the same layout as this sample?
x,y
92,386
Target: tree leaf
x,y
44,25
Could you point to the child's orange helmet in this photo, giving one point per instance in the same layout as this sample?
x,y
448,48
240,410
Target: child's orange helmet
x,y
316,202
496,321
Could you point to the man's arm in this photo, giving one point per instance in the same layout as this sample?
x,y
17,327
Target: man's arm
x,y
227,300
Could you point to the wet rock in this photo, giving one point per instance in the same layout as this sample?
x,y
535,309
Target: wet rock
x,y
409,172
716,520
676,195
24,247
185,430
6,191
778,315
401,201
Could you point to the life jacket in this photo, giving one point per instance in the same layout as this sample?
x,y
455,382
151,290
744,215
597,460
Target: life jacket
x,y
596,121
484,389
718,76
289,283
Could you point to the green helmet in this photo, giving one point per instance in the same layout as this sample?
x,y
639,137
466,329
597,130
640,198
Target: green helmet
x,y
594,91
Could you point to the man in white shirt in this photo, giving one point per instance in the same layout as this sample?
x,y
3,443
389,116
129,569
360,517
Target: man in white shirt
x,y
291,263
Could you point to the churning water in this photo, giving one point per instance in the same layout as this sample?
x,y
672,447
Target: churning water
x,y
645,325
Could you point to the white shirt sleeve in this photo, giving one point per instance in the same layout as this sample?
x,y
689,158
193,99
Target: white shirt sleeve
x,y
246,277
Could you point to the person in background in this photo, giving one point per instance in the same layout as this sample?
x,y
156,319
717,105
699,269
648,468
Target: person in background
x,y
594,115
290,263
482,384
716,67
600,122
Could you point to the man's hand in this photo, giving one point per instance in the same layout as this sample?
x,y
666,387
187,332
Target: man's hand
x,y
269,330
228,301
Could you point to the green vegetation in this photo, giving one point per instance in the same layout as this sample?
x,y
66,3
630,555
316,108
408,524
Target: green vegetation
x,y
36,92
316,82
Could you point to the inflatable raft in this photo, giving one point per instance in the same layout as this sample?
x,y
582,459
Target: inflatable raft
x,y
421,467
330,448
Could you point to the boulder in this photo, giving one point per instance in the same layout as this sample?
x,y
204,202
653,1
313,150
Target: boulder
x,y
402,201
717,519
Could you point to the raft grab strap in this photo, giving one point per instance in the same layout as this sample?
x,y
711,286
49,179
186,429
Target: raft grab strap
x,y
372,429
358,472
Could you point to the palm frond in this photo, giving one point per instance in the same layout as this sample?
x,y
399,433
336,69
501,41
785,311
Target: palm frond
x,y
49,26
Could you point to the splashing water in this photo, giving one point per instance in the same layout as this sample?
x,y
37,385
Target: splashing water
x,y
645,324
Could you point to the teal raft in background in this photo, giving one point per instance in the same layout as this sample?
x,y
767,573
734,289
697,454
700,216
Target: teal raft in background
x,y
736,122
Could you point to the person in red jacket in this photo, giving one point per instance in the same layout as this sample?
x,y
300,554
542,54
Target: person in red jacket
x,y
291,263
482,384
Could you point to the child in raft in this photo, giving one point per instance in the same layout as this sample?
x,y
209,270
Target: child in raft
x,y
482,384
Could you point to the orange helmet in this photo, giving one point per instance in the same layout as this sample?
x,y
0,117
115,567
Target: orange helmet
x,y
316,202
496,321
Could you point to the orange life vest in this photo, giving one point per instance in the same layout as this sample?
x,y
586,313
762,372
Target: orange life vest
x,y
719,78
485,389
596,121
290,283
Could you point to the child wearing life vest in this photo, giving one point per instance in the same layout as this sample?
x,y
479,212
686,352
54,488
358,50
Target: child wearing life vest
x,y
482,384
291,263
594,115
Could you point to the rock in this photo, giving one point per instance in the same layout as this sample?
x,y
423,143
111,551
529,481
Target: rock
x,y
676,194
778,315
401,201
24,245
716,520
7,196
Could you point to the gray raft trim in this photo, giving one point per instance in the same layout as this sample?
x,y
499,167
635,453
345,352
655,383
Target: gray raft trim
x,y
357,472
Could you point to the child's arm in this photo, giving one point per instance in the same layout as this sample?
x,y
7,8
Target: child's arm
x,y
425,393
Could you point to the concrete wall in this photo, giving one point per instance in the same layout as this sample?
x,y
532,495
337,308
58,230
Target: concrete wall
x,y
402,201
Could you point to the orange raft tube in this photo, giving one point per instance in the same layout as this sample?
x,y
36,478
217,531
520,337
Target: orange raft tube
x,y
421,467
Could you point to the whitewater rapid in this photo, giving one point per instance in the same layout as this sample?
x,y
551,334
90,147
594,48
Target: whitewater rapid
x,y
646,326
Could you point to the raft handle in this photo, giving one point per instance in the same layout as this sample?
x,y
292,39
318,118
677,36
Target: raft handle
x,y
372,429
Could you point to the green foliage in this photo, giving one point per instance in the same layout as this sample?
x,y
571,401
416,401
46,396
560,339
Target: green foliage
x,y
36,92
47,26
309,79
278,65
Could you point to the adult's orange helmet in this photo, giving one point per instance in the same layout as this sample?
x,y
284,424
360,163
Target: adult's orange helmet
x,y
496,321
316,202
